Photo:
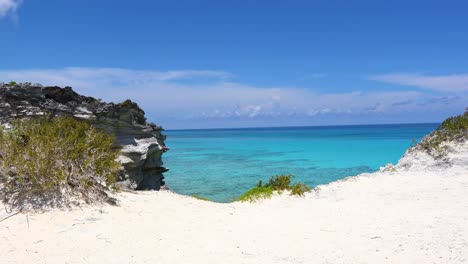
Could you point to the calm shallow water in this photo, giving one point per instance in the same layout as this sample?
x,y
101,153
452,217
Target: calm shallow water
x,y
221,164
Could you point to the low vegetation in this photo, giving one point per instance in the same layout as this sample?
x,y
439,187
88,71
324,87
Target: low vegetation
x,y
299,189
259,192
198,197
16,84
53,162
278,183
452,129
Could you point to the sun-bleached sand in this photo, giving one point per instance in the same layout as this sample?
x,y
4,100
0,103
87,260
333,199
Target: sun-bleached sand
x,y
401,215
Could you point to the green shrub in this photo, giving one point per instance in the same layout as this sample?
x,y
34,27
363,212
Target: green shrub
x,y
278,183
47,162
260,183
256,193
454,125
453,128
299,189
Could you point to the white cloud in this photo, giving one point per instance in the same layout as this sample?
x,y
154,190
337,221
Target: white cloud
x,y
9,6
106,76
442,83
210,95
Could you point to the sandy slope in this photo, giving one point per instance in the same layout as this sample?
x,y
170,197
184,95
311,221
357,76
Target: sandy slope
x,y
409,216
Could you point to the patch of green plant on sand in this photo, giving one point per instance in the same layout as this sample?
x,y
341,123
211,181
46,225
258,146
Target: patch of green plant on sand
x,y
53,161
198,197
299,189
278,183
259,192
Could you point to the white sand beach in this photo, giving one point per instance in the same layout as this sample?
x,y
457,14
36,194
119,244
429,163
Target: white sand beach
x,y
417,214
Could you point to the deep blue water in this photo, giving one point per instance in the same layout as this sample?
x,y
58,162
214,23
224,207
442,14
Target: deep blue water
x,y
221,164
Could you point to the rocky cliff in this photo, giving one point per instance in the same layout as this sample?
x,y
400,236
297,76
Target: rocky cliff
x,y
140,143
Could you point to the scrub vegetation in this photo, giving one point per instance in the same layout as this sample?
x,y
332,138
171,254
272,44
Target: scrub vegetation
x,y
277,183
54,162
451,129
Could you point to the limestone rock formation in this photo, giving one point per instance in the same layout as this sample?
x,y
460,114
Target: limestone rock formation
x,y
445,147
140,143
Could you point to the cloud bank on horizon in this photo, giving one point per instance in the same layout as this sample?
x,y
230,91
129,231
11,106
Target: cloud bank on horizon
x,y
197,99
8,6
443,83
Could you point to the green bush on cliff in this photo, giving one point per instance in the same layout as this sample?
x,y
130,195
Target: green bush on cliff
x,y
53,162
455,125
278,183
452,128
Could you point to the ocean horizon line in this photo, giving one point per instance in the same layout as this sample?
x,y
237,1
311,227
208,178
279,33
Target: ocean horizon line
x,y
298,127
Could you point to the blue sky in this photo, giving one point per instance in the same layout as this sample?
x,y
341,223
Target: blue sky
x,y
199,64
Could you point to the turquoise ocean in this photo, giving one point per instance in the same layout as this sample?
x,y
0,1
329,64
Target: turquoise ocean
x,y
221,164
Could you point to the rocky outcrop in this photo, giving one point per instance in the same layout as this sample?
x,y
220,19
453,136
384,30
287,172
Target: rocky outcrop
x,y
455,153
140,143
443,148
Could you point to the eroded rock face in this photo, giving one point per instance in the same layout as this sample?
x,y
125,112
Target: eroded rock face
x,y
141,144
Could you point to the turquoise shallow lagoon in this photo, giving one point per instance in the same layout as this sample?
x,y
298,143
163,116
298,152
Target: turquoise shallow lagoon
x,y
221,164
